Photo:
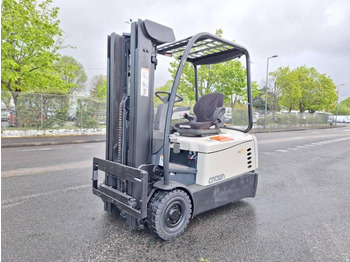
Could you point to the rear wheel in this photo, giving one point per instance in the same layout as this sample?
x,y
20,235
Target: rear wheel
x,y
169,213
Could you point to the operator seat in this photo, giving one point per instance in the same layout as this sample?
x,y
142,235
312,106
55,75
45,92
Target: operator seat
x,y
209,115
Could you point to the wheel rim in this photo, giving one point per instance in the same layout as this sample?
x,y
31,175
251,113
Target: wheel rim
x,y
174,214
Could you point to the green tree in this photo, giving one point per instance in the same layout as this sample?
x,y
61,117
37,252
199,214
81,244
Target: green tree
x,y
304,89
343,107
231,80
259,102
345,102
72,72
287,89
276,78
318,91
186,85
30,41
99,87
291,91
91,110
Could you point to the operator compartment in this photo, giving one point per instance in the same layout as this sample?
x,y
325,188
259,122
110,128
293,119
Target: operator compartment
x,y
217,157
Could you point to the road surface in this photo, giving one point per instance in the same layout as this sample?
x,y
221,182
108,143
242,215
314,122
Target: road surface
x,y
300,213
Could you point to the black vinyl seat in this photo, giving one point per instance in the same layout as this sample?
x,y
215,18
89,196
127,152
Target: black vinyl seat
x,y
207,110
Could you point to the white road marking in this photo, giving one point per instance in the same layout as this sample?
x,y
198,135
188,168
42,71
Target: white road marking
x,y
19,200
46,148
36,149
268,153
311,145
266,141
278,140
88,146
38,170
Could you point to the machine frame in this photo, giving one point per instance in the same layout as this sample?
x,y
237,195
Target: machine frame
x,y
135,183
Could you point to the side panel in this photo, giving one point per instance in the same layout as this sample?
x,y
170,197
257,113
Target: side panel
x,y
233,161
228,191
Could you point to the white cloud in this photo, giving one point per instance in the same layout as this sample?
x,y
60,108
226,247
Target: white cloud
x,y
312,33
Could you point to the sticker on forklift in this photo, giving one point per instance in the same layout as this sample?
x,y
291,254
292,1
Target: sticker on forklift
x,y
144,81
221,138
161,160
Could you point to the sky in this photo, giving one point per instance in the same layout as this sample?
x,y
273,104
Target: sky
x,y
314,33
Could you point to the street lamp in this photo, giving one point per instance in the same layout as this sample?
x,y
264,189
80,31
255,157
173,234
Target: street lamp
x,y
336,110
267,77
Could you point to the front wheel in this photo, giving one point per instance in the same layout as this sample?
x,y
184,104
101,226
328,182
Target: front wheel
x,y
169,213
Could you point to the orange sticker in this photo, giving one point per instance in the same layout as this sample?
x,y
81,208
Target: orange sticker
x,y
221,138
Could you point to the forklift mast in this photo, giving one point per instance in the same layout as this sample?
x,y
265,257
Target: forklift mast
x,y
131,64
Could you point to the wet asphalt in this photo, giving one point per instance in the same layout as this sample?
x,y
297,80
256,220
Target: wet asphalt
x,y
300,213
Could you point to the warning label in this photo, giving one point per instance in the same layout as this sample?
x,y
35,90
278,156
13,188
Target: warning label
x,y
144,81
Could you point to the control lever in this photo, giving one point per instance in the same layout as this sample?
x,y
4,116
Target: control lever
x,y
189,118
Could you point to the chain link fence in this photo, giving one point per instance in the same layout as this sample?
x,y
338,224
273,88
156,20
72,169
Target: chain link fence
x,y
238,118
48,111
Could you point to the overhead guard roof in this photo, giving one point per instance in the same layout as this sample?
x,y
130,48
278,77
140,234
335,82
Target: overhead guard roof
x,y
208,49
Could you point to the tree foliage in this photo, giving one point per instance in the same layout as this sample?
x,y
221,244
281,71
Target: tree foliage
x,y
344,107
72,72
230,78
303,89
99,87
30,41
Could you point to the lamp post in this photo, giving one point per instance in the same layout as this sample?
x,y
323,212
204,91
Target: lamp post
x,y
267,77
336,110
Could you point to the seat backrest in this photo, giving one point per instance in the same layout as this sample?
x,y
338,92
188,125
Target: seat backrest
x,y
205,107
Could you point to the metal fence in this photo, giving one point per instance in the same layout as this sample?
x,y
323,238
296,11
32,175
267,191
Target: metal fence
x,y
238,118
48,111
290,119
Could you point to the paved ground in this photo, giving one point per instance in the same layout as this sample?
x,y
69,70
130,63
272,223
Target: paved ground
x,y
300,212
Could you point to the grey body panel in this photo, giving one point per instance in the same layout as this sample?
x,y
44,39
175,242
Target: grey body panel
x,y
205,198
208,197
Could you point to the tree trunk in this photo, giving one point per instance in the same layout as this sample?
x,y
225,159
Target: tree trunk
x,y
18,122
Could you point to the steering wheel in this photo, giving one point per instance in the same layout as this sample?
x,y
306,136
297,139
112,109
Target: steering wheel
x,y
166,96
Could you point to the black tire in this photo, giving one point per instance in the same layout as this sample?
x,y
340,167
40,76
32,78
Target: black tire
x,y
169,213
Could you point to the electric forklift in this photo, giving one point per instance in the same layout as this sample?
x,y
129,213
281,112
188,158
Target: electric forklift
x,y
160,174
